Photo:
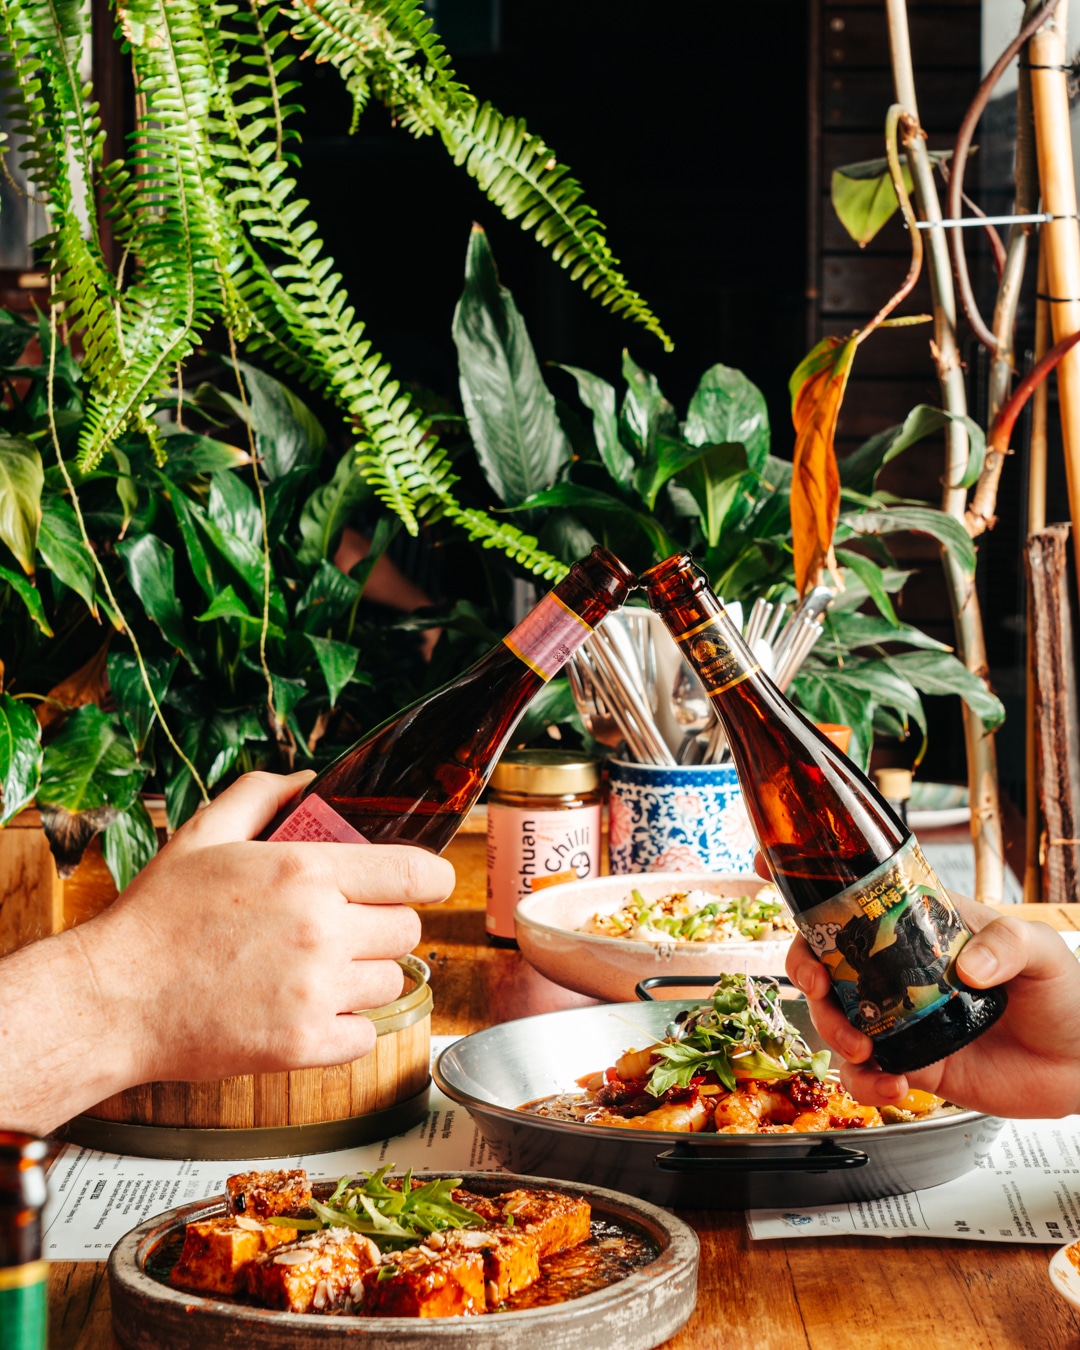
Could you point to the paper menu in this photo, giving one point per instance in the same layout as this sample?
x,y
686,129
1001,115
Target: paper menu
x,y
1025,1187
95,1198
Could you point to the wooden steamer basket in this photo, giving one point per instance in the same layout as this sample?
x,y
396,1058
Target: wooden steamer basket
x,y
274,1115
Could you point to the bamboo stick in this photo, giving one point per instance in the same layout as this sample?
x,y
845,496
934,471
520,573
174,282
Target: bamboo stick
x,y
1036,520
1061,236
967,621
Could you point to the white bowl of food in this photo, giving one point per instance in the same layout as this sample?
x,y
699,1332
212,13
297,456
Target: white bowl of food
x,y
601,937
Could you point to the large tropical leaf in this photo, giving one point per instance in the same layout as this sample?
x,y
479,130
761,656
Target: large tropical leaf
x,y
645,411
727,407
919,520
599,397
713,480
337,661
148,562
89,763
860,469
519,440
329,508
817,390
129,843
288,435
130,693
61,546
21,480
20,756
30,596
942,673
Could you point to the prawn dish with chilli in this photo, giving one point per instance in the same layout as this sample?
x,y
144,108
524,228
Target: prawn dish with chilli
x,y
734,1065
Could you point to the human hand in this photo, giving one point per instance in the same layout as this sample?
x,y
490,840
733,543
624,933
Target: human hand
x,y
226,955
1027,1064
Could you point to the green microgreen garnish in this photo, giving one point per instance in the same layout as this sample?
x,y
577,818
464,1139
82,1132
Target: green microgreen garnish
x,y
387,1215
302,1225
742,1028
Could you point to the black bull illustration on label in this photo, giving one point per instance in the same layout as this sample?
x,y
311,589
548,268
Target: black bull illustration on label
x,y
917,957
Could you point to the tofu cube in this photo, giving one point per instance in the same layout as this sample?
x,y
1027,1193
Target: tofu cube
x,y
424,1282
555,1220
511,1259
317,1273
261,1194
216,1252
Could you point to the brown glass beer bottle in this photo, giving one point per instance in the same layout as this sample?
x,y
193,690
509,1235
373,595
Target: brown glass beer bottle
x,y
857,883
23,1274
413,779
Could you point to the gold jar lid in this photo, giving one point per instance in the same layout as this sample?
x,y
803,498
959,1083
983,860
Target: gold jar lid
x,y
546,773
893,784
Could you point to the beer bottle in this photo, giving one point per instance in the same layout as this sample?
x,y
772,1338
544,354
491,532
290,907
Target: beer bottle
x,y
23,1274
852,873
413,779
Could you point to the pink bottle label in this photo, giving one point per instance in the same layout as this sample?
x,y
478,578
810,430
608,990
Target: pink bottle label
x,y
315,821
529,850
547,637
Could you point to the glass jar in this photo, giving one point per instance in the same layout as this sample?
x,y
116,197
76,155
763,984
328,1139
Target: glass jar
x,y
23,1274
895,786
543,829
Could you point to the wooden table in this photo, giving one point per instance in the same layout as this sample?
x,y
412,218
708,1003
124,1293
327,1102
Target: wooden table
x,y
842,1293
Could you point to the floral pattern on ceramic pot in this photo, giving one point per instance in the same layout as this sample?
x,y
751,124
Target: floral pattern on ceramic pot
x,y
681,819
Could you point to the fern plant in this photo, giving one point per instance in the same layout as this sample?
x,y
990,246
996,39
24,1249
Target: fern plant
x,y
206,210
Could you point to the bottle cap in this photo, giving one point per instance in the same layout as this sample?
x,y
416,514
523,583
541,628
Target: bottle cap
x,y
546,773
893,784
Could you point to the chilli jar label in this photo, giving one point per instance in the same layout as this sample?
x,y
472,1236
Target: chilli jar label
x,y
316,821
548,636
890,943
710,653
529,850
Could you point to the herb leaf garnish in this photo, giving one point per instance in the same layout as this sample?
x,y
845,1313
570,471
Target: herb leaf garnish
x,y
390,1216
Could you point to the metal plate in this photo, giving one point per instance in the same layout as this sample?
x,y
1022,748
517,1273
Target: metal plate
x,y
636,1313
494,1071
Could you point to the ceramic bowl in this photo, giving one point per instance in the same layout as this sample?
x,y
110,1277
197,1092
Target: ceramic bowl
x,y
609,968
1064,1276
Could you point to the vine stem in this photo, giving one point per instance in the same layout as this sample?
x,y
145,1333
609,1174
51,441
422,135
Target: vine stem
x,y
895,119
125,627
967,620
275,725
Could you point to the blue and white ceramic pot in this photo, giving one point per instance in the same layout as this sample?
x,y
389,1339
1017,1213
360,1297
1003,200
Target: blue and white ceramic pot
x,y
680,819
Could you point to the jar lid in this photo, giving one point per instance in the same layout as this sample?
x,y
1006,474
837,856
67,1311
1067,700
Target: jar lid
x,y
546,773
893,784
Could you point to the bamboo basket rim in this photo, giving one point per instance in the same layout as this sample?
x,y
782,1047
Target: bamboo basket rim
x,y
414,1005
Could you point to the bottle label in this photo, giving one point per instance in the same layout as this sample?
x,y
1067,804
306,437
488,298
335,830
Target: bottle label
x,y
24,1306
316,821
548,636
530,850
709,652
890,943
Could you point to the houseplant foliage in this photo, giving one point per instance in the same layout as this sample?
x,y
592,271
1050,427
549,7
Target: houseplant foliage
x,y
179,700
204,207
623,469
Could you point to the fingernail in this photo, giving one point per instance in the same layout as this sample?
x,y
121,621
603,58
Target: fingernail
x,y
802,978
978,964
892,1088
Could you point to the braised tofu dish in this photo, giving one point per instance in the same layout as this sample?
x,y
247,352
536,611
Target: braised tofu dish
x,y
388,1247
734,1065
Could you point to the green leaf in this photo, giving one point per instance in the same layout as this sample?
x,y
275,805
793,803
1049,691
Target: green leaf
x,y
590,499
599,397
90,763
148,562
21,480
129,843
182,796
30,596
20,756
919,520
233,508
60,544
853,630
551,705
189,455
713,479
330,507
864,198
228,605
727,408
329,594
942,673
519,440
860,469
337,661
870,574
645,411
287,433
130,695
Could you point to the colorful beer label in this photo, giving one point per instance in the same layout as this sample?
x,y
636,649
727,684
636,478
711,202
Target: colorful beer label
x,y
24,1306
548,636
530,850
890,943
316,821
719,663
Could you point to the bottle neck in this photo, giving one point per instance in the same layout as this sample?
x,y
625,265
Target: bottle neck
x,y
548,636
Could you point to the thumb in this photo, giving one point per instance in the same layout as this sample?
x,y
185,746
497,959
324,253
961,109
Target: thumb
x,y
1008,947
243,810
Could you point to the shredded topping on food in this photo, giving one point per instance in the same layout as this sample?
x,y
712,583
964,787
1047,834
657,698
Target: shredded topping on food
x,y
696,916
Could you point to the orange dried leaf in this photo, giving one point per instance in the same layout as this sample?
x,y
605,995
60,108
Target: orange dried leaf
x,y
817,390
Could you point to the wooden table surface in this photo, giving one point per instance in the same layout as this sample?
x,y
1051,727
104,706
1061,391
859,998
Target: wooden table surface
x,y
843,1293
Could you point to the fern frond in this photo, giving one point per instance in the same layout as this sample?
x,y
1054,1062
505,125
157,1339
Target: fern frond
x,y
409,21
518,546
